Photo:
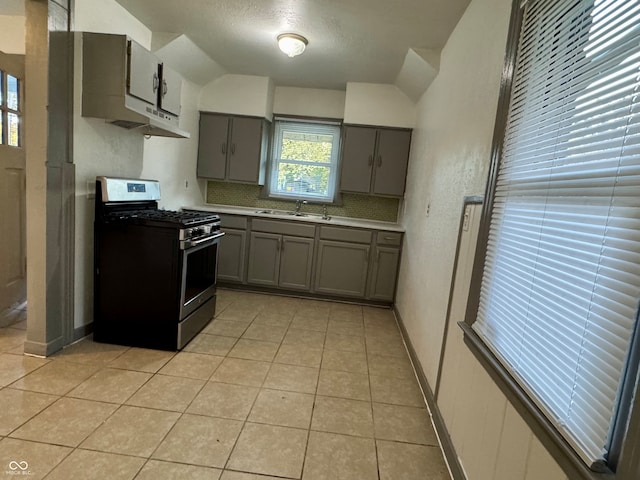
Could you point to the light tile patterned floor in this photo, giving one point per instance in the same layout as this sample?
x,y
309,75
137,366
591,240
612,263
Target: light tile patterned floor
x,y
273,387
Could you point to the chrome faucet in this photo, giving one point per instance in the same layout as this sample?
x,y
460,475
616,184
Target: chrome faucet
x,y
299,204
325,213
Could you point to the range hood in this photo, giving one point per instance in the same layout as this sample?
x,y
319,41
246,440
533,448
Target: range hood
x,y
126,85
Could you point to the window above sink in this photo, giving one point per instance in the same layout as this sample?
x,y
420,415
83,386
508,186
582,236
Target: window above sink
x,y
304,160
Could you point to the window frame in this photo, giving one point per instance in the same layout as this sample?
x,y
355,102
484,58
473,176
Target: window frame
x,y
5,110
334,175
628,444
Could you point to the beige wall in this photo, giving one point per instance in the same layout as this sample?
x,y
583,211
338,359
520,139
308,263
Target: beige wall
x,y
449,160
12,32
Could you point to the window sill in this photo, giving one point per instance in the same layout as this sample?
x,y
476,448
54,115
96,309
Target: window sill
x,y
562,453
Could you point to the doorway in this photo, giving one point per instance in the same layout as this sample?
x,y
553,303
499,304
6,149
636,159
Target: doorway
x,y
12,187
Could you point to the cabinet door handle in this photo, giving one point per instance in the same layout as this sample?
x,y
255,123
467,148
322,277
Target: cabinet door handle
x,y
284,242
156,82
389,238
233,148
379,160
370,162
224,148
279,244
164,88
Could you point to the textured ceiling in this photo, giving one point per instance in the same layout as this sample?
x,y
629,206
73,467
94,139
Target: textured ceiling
x,y
349,40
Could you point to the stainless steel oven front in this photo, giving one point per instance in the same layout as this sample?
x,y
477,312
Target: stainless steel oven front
x,y
199,260
199,270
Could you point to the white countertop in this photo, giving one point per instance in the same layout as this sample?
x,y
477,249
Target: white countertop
x,y
310,218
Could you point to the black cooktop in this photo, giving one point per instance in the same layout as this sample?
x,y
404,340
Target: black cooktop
x,y
166,217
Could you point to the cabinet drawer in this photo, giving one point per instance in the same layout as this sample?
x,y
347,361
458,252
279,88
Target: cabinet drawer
x,y
285,228
345,234
233,221
389,238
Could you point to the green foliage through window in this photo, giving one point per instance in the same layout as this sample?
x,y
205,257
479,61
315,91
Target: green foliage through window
x,y
304,160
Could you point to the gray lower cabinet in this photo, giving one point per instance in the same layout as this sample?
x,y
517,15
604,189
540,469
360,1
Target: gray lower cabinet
x,y
296,259
280,261
341,268
264,259
384,272
231,255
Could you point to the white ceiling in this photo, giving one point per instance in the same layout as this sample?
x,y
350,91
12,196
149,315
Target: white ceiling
x,y
349,40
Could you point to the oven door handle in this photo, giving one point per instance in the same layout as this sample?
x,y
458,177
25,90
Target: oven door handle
x,y
203,242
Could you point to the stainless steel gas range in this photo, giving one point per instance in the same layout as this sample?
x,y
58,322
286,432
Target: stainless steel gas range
x,y
155,270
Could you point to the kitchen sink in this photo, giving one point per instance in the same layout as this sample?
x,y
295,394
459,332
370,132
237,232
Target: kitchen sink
x,y
282,212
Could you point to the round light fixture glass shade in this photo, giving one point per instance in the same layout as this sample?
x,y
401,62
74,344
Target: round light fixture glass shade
x,y
292,44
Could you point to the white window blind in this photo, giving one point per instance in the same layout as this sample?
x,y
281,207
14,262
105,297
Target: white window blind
x,y
561,283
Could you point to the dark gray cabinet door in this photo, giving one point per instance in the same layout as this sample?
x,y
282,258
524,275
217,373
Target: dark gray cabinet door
x,y
296,258
384,273
392,156
231,255
212,146
341,268
264,258
245,150
357,159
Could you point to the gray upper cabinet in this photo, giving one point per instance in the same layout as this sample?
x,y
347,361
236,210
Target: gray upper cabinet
x,y
374,160
358,144
232,148
212,146
392,157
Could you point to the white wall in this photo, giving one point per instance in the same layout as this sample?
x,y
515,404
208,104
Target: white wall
x,y
173,161
104,149
449,160
12,30
108,16
378,104
239,94
309,102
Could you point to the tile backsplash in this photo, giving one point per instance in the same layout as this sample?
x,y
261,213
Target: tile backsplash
x,y
353,205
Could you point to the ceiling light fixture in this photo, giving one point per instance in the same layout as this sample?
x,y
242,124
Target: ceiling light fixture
x,y
292,44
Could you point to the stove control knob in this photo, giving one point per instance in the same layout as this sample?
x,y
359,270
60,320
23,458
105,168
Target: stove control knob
x,y
195,232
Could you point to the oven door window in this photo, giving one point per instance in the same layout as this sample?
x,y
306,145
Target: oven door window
x,y
200,274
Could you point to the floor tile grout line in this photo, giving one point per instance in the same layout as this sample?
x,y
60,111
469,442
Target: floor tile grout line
x,y
244,423
313,409
262,387
373,418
